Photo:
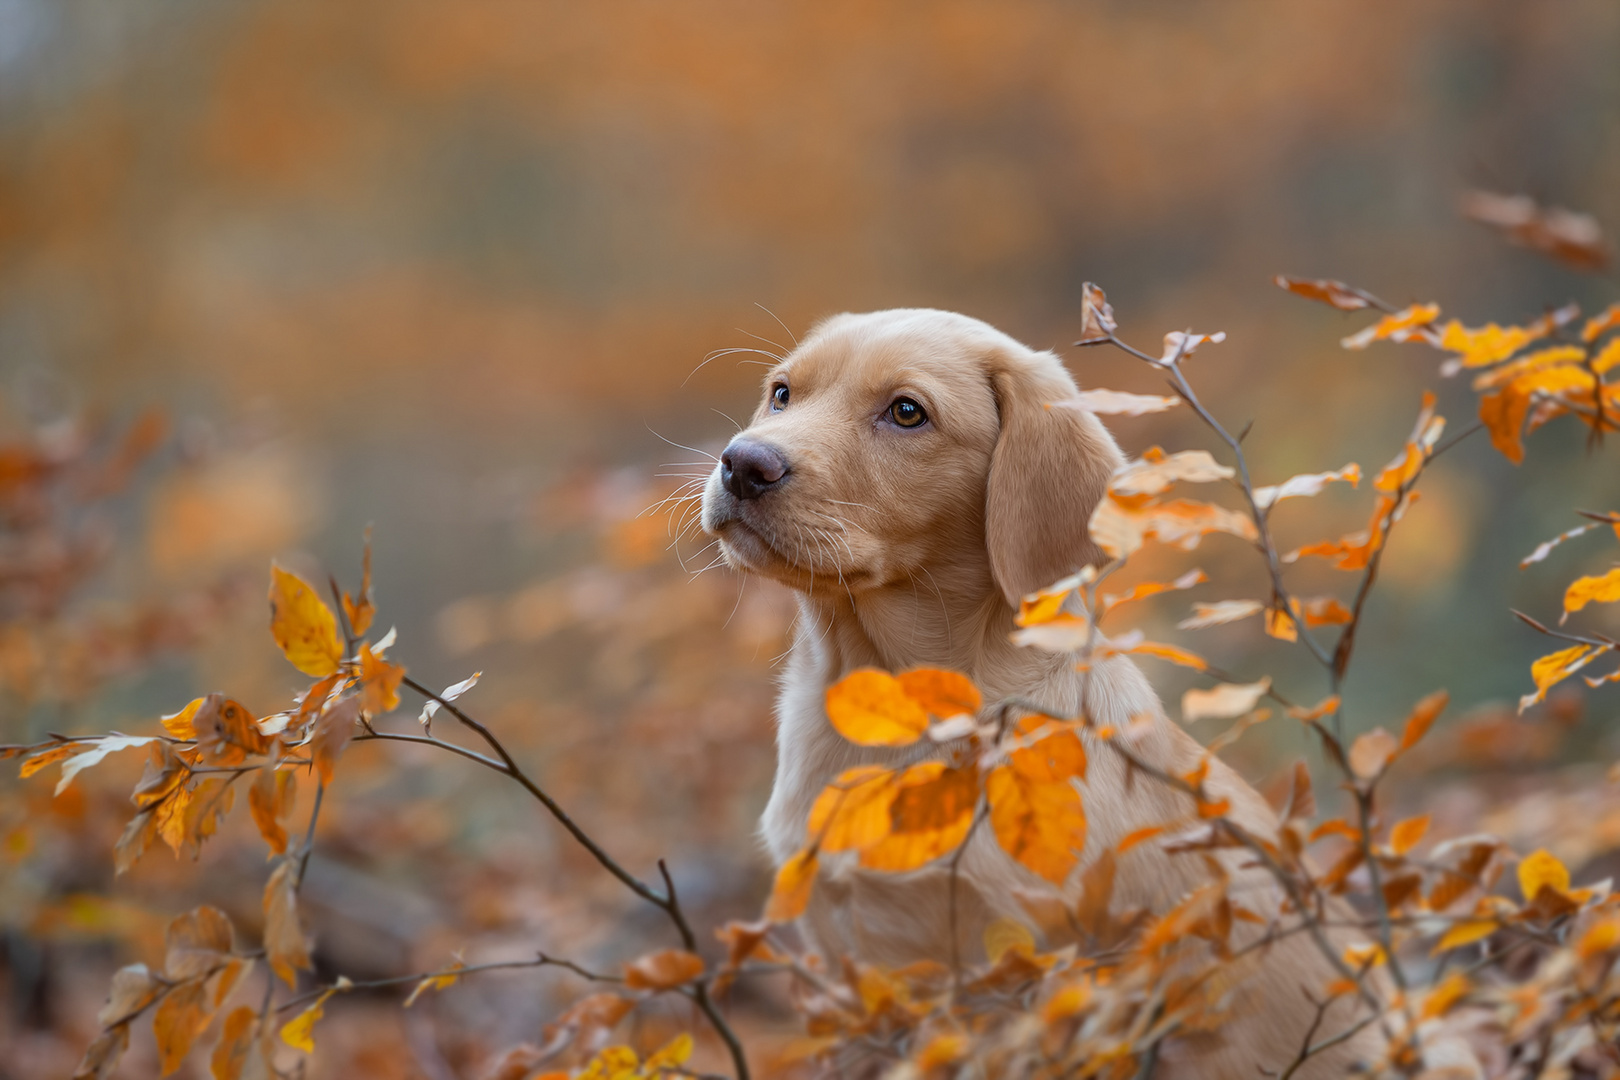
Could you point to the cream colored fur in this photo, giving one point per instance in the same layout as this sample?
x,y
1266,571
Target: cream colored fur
x,y
911,547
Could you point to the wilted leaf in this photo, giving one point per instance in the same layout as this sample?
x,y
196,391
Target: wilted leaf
x,y
180,1017
303,626
51,756
1178,344
450,693
1062,634
791,890
333,730
101,748
1305,484
225,729
1372,752
101,1057
1337,293
1406,834
1569,237
196,943
379,683
853,812
1223,701
1412,322
1154,473
1555,667
1096,316
1121,531
1423,717
1585,590
360,610
299,1032
942,694
1005,935
435,982
1040,823
663,970
1220,613
1317,711
133,988
586,1021
1117,403
284,942
872,708
1544,548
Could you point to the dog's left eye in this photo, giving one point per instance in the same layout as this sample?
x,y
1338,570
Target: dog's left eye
x,y
907,413
779,397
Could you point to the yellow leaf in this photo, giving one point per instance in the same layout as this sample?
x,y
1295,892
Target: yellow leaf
x,y
671,1055
663,970
871,707
1465,932
1587,590
435,982
791,891
271,801
1173,653
1555,667
1327,291
1406,835
1542,870
1602,936
1364,955
299,1032
1054,758
1439,1001
303,626
379,681
1280,625
1005,935
1040,824
943,1049
32,765
360,610
942,694
179,724
1223,701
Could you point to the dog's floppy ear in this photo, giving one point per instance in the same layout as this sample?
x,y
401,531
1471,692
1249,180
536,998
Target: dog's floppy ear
x,y
1049,469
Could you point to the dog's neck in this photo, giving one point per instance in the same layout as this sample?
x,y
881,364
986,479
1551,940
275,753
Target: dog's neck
x,y
954,618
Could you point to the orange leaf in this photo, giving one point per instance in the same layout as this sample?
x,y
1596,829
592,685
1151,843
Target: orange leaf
x,y
303,626
1412,322
379,683
930,816
179,724
1589,590
1324,611
1423,716
853,811
1317,711
791,891
1439,1000
235,1044
1336,293
942,694
1464,932
1137,837
196,943
1054,758
1597,325
1173,653
1406,834
663,970
1042,824
1108,602
180,1017
32,765
1280,625
333,730
1121,530
872,708
360,610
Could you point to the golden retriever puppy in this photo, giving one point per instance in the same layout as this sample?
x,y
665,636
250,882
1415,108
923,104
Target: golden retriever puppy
x,y
905,477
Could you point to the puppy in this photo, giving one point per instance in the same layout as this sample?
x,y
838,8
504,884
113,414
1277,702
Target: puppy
x,y
905,477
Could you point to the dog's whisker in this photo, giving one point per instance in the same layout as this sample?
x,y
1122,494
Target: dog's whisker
x,y
791,335
691,449
781,353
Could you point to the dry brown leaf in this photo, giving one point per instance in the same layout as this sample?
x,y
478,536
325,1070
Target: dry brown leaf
x,y
284,943
663,970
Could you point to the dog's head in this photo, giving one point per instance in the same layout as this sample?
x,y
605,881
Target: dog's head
x,y
899,442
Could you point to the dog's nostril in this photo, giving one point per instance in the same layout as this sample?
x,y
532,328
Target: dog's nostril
x,y
749,469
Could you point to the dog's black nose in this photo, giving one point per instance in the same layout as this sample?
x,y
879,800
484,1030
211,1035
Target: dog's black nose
x,y
750,469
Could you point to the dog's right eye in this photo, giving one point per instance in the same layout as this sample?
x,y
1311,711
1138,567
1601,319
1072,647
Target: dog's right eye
x,y
779,397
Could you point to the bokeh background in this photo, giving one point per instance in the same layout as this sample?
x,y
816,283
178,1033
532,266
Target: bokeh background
x,y
452,270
